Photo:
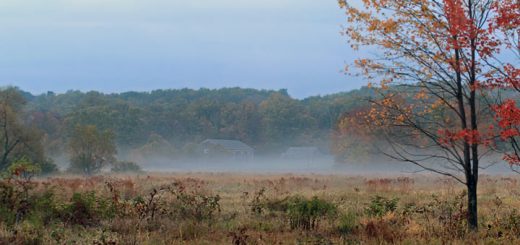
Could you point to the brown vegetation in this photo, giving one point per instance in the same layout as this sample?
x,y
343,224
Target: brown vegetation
x,y
253,209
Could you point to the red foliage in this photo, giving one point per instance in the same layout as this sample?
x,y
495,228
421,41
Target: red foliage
x,y
507,115
484,137
508,15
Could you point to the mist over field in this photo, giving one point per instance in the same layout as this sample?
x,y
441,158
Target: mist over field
x,y
164,131
259,122
276,165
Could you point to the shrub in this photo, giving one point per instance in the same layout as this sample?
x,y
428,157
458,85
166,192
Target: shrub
x,y
379,206
48,167
306,214
126,167
348,223
258,202
24,169
87,210
193,204
15,199
43,208
17,203
512,222
388,229
450,213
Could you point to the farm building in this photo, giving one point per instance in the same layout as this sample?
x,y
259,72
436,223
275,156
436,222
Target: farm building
x,y
307,153
227,148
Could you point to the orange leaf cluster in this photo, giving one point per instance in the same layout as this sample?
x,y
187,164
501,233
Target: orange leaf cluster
x,y
508,14
448,137
508,118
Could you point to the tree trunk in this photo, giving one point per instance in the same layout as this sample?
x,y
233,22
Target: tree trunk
x,y
472,204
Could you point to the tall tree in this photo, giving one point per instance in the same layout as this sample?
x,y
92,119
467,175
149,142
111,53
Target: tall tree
x,y
17,139
91,149
435,49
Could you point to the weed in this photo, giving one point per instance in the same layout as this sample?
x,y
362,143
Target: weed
x,y
306,214
348,223
380,206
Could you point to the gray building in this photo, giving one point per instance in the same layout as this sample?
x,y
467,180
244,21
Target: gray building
x,y
302,153
235,149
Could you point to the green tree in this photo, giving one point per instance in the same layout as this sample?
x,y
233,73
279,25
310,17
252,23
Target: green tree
x,y
91,149
284,120
17,139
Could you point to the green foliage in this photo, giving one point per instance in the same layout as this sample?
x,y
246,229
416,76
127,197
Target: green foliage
x,y
87,209
156,146
348,223
193,205
307,213
43,208
23,168
451,213
260,118
19,201
91,149
26,168
126,167
18,138
379,206
48,167
301,212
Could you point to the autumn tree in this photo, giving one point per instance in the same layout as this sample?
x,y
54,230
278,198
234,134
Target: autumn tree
x,y
505,76
431,68
352,141
91,149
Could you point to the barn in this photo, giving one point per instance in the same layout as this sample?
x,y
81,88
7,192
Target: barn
x,y
235,149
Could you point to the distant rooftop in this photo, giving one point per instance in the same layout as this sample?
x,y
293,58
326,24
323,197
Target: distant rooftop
x,y
303,149
235,145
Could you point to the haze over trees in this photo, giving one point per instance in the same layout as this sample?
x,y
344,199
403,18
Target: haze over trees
x,y
91,149
172,121
18,139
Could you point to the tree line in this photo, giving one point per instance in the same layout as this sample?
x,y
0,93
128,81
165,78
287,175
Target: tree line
x,y
172,122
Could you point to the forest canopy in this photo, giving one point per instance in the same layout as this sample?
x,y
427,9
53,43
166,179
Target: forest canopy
x,y
267,120
171,123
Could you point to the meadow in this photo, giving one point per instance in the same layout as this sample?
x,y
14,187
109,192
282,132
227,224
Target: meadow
x,y
239,209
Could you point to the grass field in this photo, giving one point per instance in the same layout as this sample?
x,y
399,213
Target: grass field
x,y
205,208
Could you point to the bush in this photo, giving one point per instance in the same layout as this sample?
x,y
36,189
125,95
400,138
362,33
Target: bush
x,y
126,167
193,205
43,208
306,214
87,210
379,206
15,198
18,203
48,167
23,168
348,223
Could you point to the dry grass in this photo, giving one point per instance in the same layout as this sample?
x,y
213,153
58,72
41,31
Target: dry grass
x,y
205,208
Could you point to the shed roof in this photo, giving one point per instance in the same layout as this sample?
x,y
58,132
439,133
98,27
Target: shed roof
x,y
303,149
234,145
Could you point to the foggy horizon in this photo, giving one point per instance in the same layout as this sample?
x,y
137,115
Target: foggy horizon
x,y
146,45
60,92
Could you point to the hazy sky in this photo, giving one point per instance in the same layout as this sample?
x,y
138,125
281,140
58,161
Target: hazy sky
x,y
121,45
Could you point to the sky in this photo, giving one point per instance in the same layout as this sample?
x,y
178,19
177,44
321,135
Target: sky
x,y
142,45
